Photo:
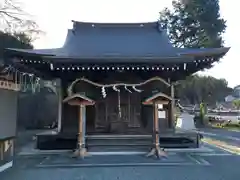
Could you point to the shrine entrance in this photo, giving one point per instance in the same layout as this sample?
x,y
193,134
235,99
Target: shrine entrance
x,y
118,113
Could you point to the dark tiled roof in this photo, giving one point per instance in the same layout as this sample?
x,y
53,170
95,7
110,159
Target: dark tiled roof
x,y
120,41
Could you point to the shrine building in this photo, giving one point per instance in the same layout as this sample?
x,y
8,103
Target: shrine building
x,y
116,86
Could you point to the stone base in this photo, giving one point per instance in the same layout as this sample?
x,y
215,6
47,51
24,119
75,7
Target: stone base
x,y
81,153
157,152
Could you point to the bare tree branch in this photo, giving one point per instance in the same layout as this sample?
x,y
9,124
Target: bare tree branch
x,y
14,19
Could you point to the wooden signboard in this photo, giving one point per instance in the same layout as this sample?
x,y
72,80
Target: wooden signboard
x,y
158,98
81,101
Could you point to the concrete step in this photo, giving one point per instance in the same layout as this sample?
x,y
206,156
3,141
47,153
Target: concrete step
x,y
118,143
119,148
120,140
60,142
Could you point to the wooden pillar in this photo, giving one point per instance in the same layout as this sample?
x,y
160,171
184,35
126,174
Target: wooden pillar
x,y
84,125
81,150
129,108
96,116
1,150
172,107
60,98
156,125
80,128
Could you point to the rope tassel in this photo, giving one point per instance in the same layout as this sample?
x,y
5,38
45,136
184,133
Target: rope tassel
x,y
70,88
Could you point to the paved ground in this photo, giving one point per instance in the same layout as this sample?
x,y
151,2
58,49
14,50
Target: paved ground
x,y
223,132
215,165
231,137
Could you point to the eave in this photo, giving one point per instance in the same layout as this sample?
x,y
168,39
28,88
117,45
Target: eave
x,y
117,59
53,56
202,52
32,52
174,68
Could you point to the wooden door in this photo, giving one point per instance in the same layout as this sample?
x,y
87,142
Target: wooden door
x,y
100,118
135,110
107,110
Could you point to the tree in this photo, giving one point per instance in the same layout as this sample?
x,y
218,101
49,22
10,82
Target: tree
x,y
16,40
194,23
196,89
15,20
236,104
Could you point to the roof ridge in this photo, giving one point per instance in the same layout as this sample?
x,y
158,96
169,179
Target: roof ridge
x,y
91,22
114,24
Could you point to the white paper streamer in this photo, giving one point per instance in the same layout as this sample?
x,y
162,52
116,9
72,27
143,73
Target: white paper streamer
x,y
104,94
137,90
115,89
127,89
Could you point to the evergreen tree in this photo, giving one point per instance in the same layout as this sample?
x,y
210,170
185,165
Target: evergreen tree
x,y
194,23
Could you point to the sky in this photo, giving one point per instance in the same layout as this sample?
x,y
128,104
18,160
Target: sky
x,y
54,18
